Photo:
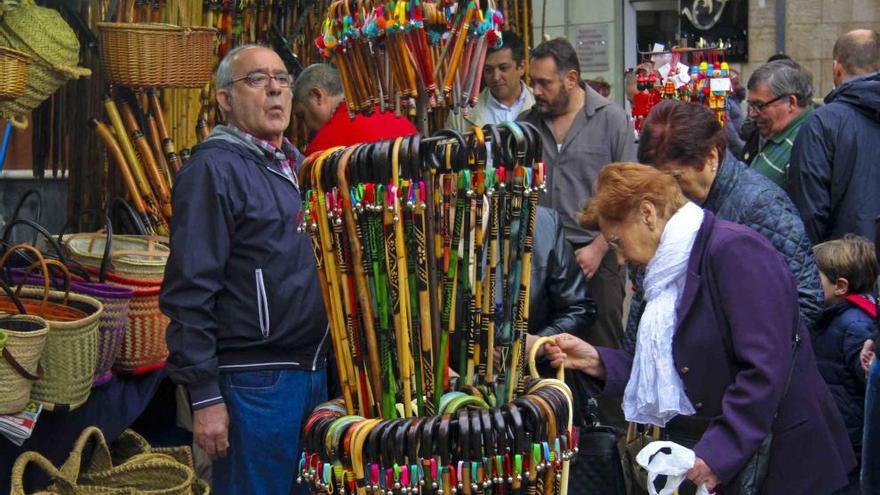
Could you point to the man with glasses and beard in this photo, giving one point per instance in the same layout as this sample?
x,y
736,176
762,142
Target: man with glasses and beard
x,y
581,132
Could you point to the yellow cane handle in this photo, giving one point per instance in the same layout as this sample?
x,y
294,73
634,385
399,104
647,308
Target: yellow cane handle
x,y
533,353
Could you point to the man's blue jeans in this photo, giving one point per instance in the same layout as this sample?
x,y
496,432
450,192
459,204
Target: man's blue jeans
x,y
871,435
266,413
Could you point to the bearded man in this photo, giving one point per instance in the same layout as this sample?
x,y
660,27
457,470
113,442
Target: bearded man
x,y
582,132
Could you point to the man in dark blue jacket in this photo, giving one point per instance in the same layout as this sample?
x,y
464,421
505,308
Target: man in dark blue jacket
x,y
248,333
834,179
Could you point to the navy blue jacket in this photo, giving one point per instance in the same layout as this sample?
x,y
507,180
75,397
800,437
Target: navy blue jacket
x,y
743,196
241,286
837,340
834,177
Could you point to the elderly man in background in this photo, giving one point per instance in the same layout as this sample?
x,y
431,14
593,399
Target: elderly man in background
x,y
505,95
834,179
779,101
319,102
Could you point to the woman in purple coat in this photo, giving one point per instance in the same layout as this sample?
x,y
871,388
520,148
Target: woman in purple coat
x,y
722,357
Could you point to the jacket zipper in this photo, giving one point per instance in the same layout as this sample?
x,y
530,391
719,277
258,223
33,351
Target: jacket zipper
x,y
262,303
320,347
285,177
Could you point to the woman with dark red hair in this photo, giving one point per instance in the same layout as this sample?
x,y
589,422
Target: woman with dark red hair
x,y
723,361
687,142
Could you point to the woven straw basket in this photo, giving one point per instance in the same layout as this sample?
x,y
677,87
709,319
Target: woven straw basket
x,y
44,35
136,257
14,67
70,356
147,473
144,348
157,55
25,339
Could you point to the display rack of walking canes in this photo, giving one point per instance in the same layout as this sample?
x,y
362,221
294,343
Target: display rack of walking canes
x,y
423,248
391,53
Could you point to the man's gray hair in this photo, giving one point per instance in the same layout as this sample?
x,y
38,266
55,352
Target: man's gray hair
x,y
784,78
323,76
223,77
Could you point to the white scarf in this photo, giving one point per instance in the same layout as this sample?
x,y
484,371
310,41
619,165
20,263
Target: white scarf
x,y
654,393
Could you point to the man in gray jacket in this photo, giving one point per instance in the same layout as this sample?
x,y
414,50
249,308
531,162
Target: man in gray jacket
x,y
581,132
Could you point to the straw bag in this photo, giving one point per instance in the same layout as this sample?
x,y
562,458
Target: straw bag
x,y
130,444
71,352
147,473
25,338
14,67
42,34
144,348
44,307
131,256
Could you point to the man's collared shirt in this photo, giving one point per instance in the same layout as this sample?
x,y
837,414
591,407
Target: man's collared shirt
x,y
773,160
481,114
497,112
284,158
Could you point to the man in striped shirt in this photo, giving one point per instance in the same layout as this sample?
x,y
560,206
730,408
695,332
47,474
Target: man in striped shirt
x,y
779,101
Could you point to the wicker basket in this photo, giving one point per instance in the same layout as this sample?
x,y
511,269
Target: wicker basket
x,y
113,322
14,67
44,35
70,356
25,339
157,55
144,348
136,257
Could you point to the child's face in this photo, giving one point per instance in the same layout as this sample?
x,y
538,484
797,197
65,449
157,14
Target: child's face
x,y
829,288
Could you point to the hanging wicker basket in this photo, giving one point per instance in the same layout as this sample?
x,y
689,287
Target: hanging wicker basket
x,y
13,72
157,55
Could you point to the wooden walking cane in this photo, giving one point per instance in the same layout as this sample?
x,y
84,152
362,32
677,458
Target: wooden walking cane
x,y
374,370
522,320
156,145
159,222
117,157
319,232
160,189
395,254
341,246
167,143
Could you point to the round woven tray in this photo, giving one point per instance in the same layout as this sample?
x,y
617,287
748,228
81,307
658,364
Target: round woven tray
x,y
157,55
13,72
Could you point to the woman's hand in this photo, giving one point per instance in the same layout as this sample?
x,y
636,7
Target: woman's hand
x,y
576,354
701,473
867,355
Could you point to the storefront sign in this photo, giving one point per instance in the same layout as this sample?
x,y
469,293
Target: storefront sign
x,y
591,43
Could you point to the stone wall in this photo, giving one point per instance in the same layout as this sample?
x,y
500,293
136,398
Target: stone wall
x,y
811,28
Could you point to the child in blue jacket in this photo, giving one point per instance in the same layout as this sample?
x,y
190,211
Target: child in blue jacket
x,y
848,269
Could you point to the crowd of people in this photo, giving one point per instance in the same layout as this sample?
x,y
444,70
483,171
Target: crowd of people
x,y
752,324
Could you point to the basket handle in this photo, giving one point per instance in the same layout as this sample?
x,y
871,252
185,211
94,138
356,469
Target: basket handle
x,y
21,369
125,206
533,353
101,459
63,482
56,246
108,226
13,297
41,262
64,271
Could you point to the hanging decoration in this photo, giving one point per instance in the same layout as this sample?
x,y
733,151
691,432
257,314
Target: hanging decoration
x,y
663,75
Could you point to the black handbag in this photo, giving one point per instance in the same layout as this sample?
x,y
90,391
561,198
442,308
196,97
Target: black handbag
x,y
751,478
597,468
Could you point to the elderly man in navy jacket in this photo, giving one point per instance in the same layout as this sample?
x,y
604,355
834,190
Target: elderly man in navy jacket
x,y
248,332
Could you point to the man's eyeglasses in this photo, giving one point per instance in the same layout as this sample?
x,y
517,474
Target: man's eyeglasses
x,y
759,107
260,80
